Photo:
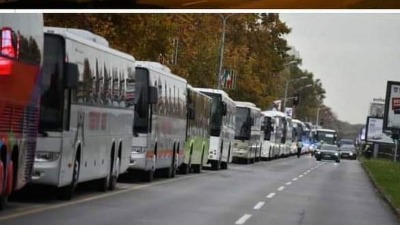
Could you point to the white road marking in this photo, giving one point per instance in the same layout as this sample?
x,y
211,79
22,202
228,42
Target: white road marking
x,y
294,179
243,219
259,205
281,188
301,176
288,183
270,195
308,171
194,3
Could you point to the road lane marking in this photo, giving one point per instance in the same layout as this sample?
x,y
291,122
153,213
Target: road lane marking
x,y
308,171
301,176
243,219
294,179
96,197
288,183
259,205
281,188
194,3
270,195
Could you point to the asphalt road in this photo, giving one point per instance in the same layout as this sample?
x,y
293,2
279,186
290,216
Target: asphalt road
x,y
287,191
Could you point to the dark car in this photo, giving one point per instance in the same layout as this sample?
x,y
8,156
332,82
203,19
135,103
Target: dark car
x,y
328,152
348,152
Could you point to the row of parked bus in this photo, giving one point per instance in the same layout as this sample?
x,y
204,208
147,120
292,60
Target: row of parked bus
x,y
73,109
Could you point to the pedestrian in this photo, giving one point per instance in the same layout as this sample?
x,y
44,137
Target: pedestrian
x,y
299,147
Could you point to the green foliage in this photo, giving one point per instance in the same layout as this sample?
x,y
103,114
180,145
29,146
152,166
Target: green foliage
x,y
255,47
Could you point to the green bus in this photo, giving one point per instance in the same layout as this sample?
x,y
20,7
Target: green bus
x,y
197,131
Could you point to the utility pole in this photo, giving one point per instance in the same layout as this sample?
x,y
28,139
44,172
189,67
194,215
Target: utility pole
x,y
221,54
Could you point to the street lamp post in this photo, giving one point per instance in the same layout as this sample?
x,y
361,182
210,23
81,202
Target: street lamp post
x,y
286,89
221,56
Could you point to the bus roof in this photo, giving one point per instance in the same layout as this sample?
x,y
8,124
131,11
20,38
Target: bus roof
x,y
273,113
247,104
160,68
192,89
326,130
214,91
87,38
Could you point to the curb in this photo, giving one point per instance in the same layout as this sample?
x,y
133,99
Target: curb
x,y
381,193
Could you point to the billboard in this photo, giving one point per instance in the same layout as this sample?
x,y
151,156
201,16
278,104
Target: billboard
x,y
374,131
391,119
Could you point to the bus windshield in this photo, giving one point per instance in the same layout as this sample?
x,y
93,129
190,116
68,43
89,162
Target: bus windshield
x,y
327,137
243,127
216,114
52,84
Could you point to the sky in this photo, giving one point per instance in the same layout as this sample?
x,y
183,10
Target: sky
x,y
354,55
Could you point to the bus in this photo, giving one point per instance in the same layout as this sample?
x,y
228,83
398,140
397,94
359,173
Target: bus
x,y
247,143
222,128
85,126
197,131
159,130
298,134
325,136
287,149
273,128
21,55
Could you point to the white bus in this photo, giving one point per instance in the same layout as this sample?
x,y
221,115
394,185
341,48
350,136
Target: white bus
x,y
273,127
160,120
85,127
247,143
326,136
288,150
222,128
298,134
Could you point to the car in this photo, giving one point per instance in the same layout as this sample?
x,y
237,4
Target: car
x,y
348,152
328,152
346,142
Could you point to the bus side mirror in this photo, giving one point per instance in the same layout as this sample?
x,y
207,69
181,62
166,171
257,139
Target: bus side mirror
x,y
71,78
224,108
153,98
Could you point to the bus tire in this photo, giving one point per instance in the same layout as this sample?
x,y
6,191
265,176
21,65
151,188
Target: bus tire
x,y
224,165
199,168
114,177
9,178
1,177
215,165
67,192
148,176
3,201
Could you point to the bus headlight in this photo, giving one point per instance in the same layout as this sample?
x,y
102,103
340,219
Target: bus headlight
x,y
46,156
336,153
138,150
351,154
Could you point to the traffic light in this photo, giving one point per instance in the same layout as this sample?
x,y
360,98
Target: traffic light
x,y
296,99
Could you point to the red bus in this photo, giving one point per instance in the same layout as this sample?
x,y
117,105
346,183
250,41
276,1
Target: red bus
x,y
21,53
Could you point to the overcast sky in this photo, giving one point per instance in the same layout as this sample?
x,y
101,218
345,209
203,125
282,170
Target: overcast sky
x,y
353,54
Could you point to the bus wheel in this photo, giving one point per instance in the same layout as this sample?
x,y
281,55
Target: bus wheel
x,y
148,175
172,170
3,198
10,178
67,192
185,168
199,168
114,175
